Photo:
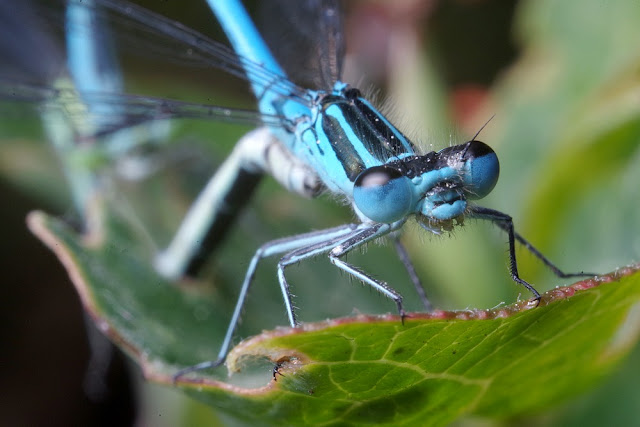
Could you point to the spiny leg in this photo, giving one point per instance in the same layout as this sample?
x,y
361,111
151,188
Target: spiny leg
x,y
340,246
365,235
546,261
505,222
298,255
408,265
274,247
551,266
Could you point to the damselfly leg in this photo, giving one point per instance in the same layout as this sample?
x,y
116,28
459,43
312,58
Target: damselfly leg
x,y
505,222
413,275
313,243
337,241
367,234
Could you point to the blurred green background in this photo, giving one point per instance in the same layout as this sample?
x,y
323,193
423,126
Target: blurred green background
x,y
562,80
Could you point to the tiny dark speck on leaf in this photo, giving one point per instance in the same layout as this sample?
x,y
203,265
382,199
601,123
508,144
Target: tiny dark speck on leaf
x,y
454,351
398,350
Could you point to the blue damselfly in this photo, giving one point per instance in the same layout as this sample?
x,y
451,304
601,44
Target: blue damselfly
x,y
329,139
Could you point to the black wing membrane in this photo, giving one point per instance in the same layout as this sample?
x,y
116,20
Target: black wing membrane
x,y
309,39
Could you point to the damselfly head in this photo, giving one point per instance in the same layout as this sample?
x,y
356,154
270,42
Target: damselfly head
x,y
435,185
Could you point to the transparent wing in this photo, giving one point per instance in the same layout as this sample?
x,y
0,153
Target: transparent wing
x,y
26,49
151,34
309,39
140,109
30,36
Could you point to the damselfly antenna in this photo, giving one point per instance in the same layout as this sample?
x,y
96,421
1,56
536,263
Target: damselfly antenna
x,y
483,126
476,135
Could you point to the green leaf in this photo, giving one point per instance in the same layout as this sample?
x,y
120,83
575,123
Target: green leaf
x,y
360,370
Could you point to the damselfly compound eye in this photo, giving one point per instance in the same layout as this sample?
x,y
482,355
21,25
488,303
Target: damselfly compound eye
x,y
382,194
481,170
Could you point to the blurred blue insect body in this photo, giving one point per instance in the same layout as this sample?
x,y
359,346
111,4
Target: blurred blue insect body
x,y
327,139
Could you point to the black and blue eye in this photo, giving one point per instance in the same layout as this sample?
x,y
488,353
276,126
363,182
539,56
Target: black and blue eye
x,y
383,194
482,170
